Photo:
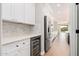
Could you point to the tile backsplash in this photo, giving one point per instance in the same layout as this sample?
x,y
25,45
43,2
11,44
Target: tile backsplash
x,y
13,29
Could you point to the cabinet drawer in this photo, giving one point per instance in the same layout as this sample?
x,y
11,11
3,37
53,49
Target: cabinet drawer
x,y
24,43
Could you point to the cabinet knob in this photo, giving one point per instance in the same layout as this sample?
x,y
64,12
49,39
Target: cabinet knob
x,y
17,45
23,42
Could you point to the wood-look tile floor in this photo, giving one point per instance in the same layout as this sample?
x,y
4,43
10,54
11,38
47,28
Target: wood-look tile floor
x,y
59,47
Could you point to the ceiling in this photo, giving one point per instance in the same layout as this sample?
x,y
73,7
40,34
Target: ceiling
x,y
59,12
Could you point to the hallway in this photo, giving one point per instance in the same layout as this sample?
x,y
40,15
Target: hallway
x,y
59,47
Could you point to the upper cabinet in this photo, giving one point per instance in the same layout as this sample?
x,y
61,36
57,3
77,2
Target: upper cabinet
x,y
6,11
30,13
19,12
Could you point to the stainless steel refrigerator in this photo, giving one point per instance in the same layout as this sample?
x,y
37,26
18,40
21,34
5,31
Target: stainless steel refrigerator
x,y
46,34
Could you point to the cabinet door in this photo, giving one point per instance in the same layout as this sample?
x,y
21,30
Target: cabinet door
x,y
30,13
23,51
6,11
9,49
18,12
24,48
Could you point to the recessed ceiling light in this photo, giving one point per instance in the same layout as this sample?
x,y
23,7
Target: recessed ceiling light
x,y
58,5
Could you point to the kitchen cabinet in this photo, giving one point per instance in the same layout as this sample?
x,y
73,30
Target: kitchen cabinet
x,y
30,13
18,48
6,11
24,47
24,51
7,49
18,12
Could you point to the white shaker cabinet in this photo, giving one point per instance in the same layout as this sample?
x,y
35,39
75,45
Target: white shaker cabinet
x,y
30,13
18,12
24,51
19,48
6,11
24,47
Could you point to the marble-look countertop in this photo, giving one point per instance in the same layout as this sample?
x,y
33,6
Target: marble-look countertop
x,y
6,40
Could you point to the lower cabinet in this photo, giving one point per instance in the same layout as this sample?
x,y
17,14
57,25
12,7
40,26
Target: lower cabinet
x,y
19,48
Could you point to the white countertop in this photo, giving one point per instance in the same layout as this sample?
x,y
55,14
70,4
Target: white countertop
x,y
17,38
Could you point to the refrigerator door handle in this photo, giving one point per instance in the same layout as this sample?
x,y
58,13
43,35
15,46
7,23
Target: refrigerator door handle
x,y
77,31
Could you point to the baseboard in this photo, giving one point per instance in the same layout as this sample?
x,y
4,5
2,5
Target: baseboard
x,y
42,53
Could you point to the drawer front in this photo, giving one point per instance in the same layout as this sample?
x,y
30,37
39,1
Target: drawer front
x,y
24,43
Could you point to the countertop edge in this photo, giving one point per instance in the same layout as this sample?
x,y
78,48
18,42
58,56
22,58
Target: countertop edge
x,y
19,39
